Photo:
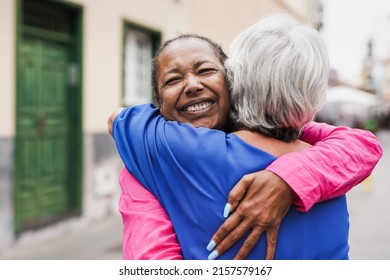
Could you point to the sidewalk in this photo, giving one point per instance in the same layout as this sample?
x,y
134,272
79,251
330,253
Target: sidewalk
x,y
100,241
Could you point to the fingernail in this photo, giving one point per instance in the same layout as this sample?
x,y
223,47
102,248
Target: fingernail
x,y
211,245
213,255
226,211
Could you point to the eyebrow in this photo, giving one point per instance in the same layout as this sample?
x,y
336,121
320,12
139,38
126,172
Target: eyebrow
x,y
171,71
195,65
199,63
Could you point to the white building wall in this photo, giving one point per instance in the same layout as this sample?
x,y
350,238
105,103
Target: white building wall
x,y
222,20
103,43
7,68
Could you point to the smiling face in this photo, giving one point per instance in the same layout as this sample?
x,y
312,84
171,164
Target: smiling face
x,y
191,84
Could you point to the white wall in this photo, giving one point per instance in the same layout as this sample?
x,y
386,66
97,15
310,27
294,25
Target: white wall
x,y
222,20
103,33
7,68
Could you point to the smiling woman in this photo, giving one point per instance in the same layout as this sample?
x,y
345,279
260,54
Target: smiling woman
x,y
189,65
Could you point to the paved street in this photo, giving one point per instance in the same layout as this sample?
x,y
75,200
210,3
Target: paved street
x,y
369,207
98,241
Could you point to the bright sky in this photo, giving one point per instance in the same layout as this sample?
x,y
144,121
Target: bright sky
x,y
348,24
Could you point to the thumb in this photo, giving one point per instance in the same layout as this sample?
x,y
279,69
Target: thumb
x,y
238,192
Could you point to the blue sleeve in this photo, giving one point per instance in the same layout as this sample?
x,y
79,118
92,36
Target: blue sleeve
x,y
166,156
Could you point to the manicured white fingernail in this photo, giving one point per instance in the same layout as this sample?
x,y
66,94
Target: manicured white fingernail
x,y
226,211
213,255
211,245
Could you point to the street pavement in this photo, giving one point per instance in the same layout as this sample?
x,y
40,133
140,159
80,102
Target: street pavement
x,y
100,240
369,208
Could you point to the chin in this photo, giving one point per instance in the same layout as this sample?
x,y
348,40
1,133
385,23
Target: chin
x,y
206,124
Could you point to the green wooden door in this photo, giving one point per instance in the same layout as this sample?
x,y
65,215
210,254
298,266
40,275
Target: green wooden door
x,y
42,193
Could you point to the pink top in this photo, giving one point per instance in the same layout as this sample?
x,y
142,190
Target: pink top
x,y
148,232
343,159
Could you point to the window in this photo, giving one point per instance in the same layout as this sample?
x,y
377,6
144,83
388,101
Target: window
x,y
137,67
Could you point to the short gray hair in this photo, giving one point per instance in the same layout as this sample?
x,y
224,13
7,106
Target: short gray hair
x,y
278,72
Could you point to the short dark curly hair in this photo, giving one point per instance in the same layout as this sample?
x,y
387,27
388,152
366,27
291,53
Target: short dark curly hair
x,y
221,55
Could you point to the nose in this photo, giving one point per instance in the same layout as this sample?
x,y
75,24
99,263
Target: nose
x,y
193,84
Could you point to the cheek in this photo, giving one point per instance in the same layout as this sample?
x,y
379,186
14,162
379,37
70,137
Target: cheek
x,y
225,108
222,89
224,98
167,105
170,95
165,110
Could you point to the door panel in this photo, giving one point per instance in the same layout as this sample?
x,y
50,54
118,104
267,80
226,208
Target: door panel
x,y
26,159
42,132
53,130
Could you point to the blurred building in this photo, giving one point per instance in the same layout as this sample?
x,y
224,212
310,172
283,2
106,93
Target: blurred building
x,y
65,66
380,55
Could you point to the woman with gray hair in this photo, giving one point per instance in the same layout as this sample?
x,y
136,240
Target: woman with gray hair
x,y
191,170
278,71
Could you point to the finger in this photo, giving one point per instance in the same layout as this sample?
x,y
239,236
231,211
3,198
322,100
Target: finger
x,y
111,119
272,236
249,244
109,124
239,191
231,223
231,239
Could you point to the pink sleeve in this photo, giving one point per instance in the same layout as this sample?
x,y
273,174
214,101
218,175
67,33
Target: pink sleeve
x,y
147,230
340,158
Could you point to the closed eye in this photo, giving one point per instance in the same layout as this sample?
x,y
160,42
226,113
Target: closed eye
x,y
172,81
206,71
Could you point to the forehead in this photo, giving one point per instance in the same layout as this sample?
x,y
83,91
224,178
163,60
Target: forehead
x,y
186,50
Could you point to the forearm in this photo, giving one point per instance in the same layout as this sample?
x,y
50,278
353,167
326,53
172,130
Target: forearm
x,y
340,158
147,230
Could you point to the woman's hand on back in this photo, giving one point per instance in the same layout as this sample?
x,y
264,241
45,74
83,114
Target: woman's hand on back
x,y
257,203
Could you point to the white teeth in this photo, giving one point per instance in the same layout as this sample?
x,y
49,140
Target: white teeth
x,y
198,107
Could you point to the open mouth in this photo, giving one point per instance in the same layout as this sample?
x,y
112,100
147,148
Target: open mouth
x,y
198,107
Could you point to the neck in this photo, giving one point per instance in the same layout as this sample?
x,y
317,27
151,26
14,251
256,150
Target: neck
x,y
271,145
